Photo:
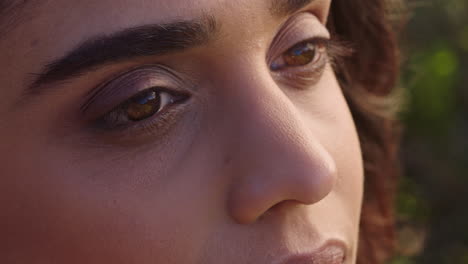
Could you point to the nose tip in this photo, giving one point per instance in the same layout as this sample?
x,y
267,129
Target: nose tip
x,y
305,183
286,165
314,181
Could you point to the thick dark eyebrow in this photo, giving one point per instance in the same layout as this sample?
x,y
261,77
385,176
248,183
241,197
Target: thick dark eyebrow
x,y
282,8
147,40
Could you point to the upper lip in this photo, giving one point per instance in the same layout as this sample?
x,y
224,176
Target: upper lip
x,y
332,252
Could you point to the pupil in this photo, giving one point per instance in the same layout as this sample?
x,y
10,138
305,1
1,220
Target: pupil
x,y
300,55
143,106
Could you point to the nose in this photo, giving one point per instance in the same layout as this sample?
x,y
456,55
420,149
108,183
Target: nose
x,y
277,158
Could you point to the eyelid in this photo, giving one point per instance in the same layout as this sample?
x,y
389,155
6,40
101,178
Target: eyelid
x,y
298,28
142,132
110,94
167,100
321,48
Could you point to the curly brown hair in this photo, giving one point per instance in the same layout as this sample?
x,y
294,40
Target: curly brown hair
x,y
368,78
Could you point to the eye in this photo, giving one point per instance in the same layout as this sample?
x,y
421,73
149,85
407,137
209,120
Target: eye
x,y
301,54
144,105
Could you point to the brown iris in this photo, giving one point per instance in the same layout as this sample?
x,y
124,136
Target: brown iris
x,y
143,105
301,54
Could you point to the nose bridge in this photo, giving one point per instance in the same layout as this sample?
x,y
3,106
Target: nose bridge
x,y
277,156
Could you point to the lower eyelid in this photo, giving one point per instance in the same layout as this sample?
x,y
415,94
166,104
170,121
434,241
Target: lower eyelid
x,y
302,77
146,131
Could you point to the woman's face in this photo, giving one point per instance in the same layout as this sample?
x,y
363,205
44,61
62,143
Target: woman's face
x,y
174,131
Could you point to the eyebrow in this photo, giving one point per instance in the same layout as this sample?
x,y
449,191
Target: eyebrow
x,y
146,40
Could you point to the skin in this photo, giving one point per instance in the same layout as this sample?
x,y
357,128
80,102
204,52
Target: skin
x,y
253,167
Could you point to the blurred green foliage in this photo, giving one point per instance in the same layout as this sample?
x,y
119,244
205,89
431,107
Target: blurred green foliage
x,y
432,202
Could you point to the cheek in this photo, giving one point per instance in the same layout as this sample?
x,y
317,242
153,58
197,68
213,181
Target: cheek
x,y
329,118
76,203
63,211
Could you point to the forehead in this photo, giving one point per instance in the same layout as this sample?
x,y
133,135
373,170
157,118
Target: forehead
x,y
14,11
68,22
90,17
68,17
10,9
54,26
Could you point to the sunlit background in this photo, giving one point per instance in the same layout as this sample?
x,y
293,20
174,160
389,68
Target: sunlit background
x,y
433,198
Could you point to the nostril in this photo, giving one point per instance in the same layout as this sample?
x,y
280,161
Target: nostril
x,y
285,205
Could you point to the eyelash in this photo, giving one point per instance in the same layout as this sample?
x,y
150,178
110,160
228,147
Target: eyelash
x,y
305,76
159,122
